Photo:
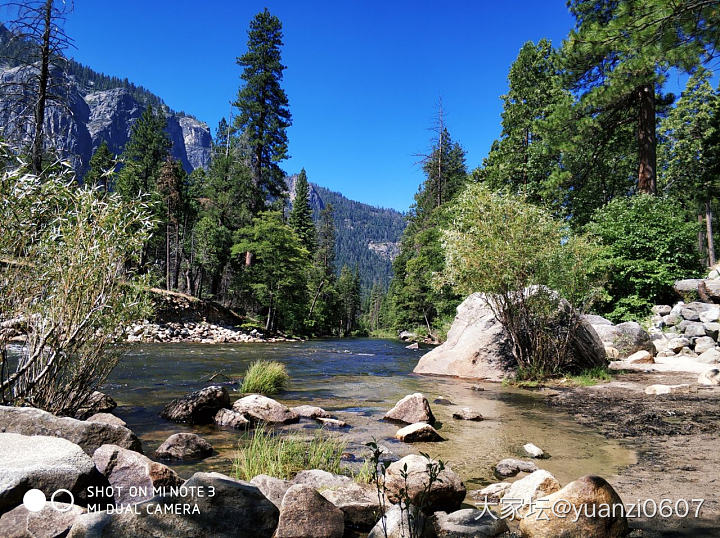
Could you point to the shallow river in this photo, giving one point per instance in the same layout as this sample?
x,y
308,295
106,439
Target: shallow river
x,y
358,380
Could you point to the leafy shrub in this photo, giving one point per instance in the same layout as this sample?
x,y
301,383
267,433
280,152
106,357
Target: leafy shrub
x,y
268,453
649,244
265,377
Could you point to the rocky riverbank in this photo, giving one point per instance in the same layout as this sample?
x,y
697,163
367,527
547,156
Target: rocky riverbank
x,y
201,332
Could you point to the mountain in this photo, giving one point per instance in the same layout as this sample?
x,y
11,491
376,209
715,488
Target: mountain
x,y
99,109
367,237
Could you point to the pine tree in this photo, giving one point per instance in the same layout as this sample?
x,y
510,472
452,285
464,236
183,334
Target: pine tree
x,y
300,218
170,187
264,114
321,278
102,168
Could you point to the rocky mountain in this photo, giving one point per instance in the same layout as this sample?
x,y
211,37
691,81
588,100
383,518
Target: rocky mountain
x,y
368,237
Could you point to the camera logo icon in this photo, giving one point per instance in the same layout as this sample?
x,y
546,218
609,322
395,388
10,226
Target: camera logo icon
x,y
34,500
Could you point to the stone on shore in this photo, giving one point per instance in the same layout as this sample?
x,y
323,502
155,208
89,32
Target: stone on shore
x,y
319,479
640,357
87,435
588,495
49,522
628,338
235,510
710,377
469,522
465,413
419,432
358,502
231,419
199,407
259,408
273,488
537,484
184,446
711,356
656,390
126,469
107,418
304,513
446,495
97,402
511,466
411,409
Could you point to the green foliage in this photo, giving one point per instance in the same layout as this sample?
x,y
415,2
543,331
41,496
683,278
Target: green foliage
x,y
591,376
265,377
649,243
102,169
283,456
300,219
348,289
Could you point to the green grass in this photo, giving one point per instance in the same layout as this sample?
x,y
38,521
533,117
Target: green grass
x,y
265,377
590,377
284,456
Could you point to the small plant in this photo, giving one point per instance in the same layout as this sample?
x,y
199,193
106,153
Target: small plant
x,y
283,457
592,376
265,377
378,470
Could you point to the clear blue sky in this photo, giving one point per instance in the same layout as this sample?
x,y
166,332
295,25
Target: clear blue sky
x,y
363,77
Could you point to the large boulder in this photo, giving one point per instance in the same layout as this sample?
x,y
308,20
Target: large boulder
x,y
411,409
628,338
52,521
305,513
589,495
47,464
358,502
184,446
445,494
469,522
199,407
231,419
97,402
107,418
87,435
396,524
259,408
319,479
126,469
218,506
273,488
538,484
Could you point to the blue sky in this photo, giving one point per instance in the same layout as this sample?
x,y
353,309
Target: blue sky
x,y
363,78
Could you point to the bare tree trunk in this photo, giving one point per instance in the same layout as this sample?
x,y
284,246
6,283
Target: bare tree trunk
x,y
701,236
646,140
709,227
37,144
167,253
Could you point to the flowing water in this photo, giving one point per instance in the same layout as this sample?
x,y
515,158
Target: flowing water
x,y
358,380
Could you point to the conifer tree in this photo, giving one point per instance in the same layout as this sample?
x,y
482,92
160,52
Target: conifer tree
x,y
300,219
102,168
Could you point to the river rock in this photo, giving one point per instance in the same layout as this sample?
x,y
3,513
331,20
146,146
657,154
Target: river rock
x,y
97,402
419,432
236,510
310,411
125,468
107,418
640,357
710,315
395,524
687,287
50,522
465,413
492,493
259,408
703,343
304,513
531,487
199,407
677,344
411,409
273,488
712,329
44,463
359,504
694,330
690,314
184,446
87,435
511,466
710,356
655,390
628,338
231,419
661,309
588,495
710,377
533,451
469,522
319,479
332,423
443,495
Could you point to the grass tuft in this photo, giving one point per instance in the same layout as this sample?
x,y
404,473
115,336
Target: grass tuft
x,y
265,377
283,457
590,377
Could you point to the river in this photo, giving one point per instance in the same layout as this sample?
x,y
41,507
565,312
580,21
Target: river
x,y
358,380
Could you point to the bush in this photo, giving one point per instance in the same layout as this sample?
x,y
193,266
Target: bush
x,y
520,256
283,457
265,377
649,244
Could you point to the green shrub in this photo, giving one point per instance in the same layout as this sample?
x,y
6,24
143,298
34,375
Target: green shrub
x,y
265,377
265,452
650,242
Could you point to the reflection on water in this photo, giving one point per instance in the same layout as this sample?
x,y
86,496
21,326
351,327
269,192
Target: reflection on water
x,y
358,381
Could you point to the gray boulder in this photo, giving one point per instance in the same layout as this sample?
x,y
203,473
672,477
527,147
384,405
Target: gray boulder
x,y
465,413
87,435
199,407
469,522
259,408
184,446
491,493
628,338
97,402
411,409
319,479
420,432
305,513
511,466
395,523
231,419
50,522
273,488
47,464
709,377
107,418
310,411
359,504
219,507
445,494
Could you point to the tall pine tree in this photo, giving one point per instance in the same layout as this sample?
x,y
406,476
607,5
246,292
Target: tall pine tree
x,y
300,218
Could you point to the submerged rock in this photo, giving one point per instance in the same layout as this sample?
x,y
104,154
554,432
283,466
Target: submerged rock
x,y
419,432
465,413
310,411
511,466
199,407
411,409
184,446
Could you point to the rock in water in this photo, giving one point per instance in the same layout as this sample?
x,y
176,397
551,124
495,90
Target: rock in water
x,y
184,446
411,409
531,487
47,464
259,408
511,466
305,513
589,495
310,411
97,402
231,419
235,510
534,451
443,495
468,522
126,469
87,435
419,432
465,413
199,407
